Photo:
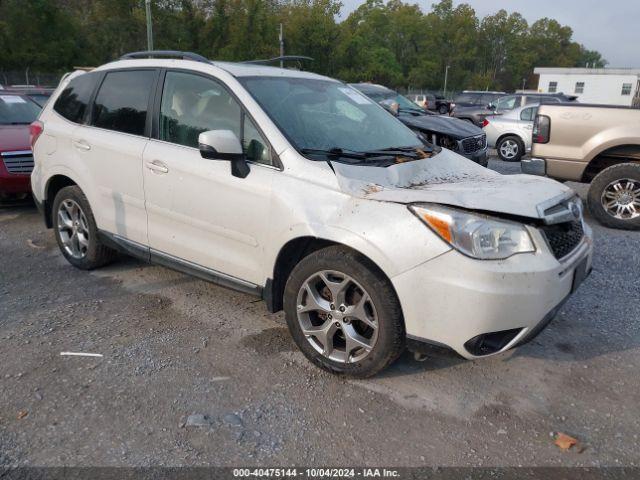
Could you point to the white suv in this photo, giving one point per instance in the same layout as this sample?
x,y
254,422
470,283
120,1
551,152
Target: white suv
x,y
297,188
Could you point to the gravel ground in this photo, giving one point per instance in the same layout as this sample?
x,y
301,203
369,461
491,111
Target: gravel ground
x,y
194,374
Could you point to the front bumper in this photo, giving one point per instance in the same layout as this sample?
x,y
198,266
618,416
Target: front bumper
x,y
480,157
534,166
456,301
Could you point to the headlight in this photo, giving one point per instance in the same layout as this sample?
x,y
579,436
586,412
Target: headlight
x,y
475,235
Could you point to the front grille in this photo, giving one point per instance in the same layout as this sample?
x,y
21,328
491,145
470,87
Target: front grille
x,y
563,238
473,144
20,162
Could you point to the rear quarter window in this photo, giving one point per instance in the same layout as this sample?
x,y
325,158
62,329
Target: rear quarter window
x,y
73,101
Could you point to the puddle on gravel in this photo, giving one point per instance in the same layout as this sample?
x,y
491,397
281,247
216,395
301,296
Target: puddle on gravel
x,y
270,341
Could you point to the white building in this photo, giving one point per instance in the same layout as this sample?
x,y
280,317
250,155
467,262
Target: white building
x,y
612,86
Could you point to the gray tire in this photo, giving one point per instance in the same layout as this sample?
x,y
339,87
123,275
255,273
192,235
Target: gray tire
x,y
614,196
510,148
343,313
76,231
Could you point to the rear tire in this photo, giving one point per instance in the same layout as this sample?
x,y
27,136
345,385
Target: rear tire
x,y
334,280
614,196
443,109
76,230
510,149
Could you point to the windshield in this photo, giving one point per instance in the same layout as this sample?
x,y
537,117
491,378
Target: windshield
x,y
17,110
325,115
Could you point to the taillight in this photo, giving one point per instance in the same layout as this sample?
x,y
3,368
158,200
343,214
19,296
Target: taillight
x,y
35,130
541,129
485,122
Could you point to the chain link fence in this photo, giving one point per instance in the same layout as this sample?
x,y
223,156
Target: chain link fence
x,y
28,77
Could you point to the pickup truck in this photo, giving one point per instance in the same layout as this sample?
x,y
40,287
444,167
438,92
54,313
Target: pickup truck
x,y
597,144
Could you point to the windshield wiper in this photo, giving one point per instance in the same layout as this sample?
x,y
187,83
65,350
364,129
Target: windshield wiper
x,y
335,152
395,151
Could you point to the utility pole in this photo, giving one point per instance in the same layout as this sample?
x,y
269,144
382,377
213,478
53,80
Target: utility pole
x,y
281,38
524,82
446,75
149,26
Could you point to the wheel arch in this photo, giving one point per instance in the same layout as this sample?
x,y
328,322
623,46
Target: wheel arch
x,y
291,254
53,186
628,153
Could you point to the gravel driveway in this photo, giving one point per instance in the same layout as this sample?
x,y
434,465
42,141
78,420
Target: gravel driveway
x,y
194,374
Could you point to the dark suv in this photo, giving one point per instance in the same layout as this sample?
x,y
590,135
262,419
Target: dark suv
x,y
472,98
456,135
504,103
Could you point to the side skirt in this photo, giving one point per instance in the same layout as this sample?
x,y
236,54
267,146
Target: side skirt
x,y
150,255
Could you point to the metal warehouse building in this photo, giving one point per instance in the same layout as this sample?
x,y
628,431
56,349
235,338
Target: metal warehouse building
x,y
612,86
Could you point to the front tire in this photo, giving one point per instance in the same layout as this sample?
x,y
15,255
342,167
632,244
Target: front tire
x,y
614,196
343,313
76,231
510,149
443,109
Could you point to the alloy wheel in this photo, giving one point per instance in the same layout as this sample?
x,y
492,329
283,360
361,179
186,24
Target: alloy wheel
x,y
73,229
337,316
509,149
621,199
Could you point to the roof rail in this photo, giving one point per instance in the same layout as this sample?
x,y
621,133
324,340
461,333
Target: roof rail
x,y
165,54
284,58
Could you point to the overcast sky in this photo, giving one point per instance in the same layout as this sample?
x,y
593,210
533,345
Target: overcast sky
x,y
612,27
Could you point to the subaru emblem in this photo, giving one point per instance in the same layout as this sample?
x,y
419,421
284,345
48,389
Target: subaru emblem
x,y
575,210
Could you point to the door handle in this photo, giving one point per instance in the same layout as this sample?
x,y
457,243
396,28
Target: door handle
x,y
157,166
81,145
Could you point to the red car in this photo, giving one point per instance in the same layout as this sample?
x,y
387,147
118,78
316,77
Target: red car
x,y
17,111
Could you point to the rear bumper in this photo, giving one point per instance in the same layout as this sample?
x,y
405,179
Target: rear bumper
x,y
534,166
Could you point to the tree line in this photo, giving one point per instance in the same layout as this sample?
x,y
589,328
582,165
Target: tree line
x,y
393,43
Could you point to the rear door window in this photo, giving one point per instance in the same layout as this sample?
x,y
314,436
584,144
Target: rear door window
x,y
528,114
122,101
74,99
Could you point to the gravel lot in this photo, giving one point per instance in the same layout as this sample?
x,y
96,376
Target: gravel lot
x,y
175,346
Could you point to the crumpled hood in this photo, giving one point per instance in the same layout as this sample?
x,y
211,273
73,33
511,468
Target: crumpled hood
x,y
449,179
451,126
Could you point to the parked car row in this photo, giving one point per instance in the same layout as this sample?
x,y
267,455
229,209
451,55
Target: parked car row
x,y
302,190
500,103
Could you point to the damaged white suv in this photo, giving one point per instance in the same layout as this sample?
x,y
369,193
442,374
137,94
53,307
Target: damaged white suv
x,y
297,188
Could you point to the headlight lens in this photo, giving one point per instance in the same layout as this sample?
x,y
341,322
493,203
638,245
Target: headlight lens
x,y
475,235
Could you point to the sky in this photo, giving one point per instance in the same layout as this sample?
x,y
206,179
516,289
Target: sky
x,y
611,27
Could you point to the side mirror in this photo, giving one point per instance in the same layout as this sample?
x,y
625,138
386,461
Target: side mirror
x,y
391,106
224,145
491,106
